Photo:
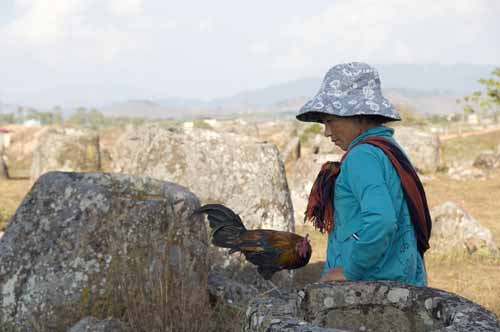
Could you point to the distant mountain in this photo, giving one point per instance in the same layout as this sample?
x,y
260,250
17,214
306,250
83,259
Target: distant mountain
x,y
434,78
424,103
174,109
426,89
412,82
409,80
182,103
271,95
136,107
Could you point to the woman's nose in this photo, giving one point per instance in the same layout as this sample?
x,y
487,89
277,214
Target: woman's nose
x,y
327,131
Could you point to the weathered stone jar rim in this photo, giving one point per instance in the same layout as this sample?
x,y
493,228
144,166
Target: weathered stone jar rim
x,y
361,306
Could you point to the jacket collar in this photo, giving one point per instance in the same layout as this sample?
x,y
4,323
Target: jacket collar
x,y
374,131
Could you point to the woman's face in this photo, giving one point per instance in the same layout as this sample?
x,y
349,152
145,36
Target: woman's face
x,y
341,130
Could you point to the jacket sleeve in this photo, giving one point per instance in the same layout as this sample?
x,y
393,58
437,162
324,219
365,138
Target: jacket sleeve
x,y
365,175
330,255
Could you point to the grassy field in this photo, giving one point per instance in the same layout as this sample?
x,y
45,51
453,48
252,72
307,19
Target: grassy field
x,y
477,278
468,147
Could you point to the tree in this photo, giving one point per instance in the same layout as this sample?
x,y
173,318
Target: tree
x,y
88,118
96,119
7,118
491,101
488,102
20,114
57,112
79,118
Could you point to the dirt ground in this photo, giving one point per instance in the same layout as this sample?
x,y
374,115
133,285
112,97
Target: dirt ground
x,y
476,278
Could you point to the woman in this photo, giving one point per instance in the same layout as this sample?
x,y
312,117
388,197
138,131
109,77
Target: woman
x,y
378,220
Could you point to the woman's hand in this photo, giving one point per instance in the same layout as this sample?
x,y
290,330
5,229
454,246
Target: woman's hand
x,y
336,274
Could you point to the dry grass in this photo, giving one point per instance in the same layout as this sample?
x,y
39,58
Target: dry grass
x,y
468,147
478,197
11,193
474,277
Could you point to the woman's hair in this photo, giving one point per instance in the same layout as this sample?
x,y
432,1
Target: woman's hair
x,y
371,119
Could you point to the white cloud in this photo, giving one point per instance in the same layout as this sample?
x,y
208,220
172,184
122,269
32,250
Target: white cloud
x,y
205,25
126,7
64,31
445,31
163,48
259,48
43,21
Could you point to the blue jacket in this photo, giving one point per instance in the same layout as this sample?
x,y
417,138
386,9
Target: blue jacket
x,y
373,238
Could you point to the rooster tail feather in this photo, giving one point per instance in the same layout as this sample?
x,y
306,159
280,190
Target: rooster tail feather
x,y
225,224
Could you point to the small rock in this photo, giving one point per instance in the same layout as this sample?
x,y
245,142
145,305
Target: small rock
x,y
428,304
396,295
329,302
91,324
487,160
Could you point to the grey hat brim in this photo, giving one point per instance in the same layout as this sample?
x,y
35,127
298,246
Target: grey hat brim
x,y
319,105
310,117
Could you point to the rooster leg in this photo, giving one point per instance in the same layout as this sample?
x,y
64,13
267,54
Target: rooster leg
x,y
275,288
267,273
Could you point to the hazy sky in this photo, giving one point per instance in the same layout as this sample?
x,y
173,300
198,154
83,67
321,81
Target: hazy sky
x,y
92,52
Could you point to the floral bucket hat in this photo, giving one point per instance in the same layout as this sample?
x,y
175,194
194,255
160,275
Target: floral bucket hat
x,y
349,89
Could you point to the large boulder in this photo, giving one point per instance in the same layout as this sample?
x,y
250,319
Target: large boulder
x,y
368,306
236,126
241,172
423,148
3,168
107,140
71,150
96,243
278,132
455,229
18,155
291,151
284,134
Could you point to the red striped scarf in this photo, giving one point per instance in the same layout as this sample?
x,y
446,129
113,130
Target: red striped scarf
x,y
320,206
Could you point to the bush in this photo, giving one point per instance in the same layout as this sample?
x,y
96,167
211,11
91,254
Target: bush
x,y
310,131
4,218
201,124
